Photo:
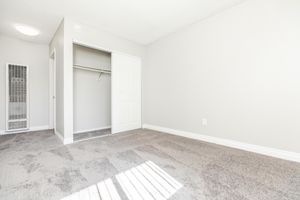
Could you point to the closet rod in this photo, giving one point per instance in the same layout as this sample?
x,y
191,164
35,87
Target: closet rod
x,y
92,69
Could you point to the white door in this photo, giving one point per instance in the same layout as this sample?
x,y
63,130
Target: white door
x,y
52,92
126,92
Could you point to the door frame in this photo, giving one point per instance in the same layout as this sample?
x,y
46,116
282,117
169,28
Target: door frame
x,y
52,90
111,51
88,45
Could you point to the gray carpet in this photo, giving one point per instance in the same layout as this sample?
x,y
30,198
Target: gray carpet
x,y
140,164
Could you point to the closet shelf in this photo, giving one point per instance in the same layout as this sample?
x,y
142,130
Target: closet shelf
x,y
92,69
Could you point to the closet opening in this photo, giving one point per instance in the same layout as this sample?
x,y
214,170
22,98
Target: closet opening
x,y
91,92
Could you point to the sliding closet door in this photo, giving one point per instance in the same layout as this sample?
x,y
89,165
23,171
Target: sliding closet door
x,y
126,92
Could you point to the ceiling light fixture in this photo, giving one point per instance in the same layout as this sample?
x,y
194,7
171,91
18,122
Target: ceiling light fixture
x,y
27,30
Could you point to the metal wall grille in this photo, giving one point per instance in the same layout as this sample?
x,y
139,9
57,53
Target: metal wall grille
x,y
17,97
17,125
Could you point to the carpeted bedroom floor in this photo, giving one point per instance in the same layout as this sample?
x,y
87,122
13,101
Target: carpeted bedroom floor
x,y
139,164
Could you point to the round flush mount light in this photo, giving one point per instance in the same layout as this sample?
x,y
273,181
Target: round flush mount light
x,y
27,30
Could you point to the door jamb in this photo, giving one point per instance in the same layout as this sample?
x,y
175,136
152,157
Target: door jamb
x,y
52,90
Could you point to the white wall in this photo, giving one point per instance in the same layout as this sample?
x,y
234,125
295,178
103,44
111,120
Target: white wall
x,y
92,96
36,57
239,69
107,41
57,44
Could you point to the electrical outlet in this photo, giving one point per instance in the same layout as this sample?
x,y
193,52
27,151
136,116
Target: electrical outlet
x,y
204,121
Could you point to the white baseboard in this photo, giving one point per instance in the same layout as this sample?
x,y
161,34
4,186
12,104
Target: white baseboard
x,y
59,135
68,141
62,139
278,153
93,129
34,128
39,128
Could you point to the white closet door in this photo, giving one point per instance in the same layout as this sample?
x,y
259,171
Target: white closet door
x,y
126,92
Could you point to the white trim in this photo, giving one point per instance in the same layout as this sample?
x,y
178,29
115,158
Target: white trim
x,y
34,128
68,141
52,89
59,135
89,45
65,141
93,129
39,128
277,153
6,97
112,106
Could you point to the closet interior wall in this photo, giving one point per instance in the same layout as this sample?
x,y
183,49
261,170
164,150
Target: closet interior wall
x,y
92,94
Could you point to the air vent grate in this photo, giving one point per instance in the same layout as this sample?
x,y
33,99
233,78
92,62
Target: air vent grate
x,y
17,100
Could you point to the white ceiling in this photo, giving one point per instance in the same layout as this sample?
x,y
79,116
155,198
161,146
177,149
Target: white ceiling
x,y
142,21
